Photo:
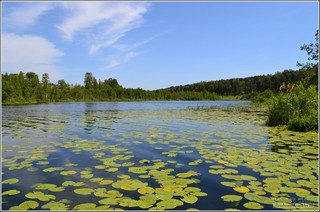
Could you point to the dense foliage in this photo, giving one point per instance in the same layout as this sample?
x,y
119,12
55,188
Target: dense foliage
x,y
238,86
298,109
27,88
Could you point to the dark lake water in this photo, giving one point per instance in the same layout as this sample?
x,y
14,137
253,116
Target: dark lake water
x,y
154,155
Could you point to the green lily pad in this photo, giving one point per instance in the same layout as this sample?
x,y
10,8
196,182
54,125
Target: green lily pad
x,y
42,163
253,205
11,192
109,201
164,196
45,186
100,166
53,205
83,191
146,190
102,208
56,189
229,184
85,206
128,202
105,182
145,203
231,198
28,205
52,169
40,196
96,180
68,172
112,169
169,204
190,199
273,190
124,176
187,174
10,181
71,183
71,164
241,189
86,176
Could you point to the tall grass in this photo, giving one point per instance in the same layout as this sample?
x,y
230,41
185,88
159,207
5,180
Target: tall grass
x,y
297,109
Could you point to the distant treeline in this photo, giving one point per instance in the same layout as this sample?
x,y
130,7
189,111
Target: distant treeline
x,y
27,88
241,86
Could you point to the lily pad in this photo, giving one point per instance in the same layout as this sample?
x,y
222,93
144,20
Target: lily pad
x,y
11,192
40,196
169,204
53,205
241,189
83,191
190,199
145,203
10,181
231,198
253,205
128,202
146,190
229,184
28,205
45,186
68,172
85,206
105,182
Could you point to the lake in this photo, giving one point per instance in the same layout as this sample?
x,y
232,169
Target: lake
x,y
156,155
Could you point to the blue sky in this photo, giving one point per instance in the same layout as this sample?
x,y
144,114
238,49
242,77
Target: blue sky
x,y
154,45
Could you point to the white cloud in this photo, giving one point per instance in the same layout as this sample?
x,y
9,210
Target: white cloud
x,y
30,53
118,60
26,15
102,23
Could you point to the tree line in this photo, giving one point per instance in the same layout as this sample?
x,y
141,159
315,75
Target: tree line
x,y
28,88
241,86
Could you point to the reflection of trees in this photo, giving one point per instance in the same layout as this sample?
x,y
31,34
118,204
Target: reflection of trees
x,y
100,116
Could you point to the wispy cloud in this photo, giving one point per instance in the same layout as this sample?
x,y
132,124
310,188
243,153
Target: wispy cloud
x,y
30,53
129,47
116,60
26,14
102,23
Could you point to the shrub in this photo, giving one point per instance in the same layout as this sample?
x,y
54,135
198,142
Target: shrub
x,y
297,109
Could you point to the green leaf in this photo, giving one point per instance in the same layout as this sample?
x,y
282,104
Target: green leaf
x,y
68,172
231,198
253,205
53,205
10,181
146,190
85,206
84,191
145,203
28,205
190,199
11,192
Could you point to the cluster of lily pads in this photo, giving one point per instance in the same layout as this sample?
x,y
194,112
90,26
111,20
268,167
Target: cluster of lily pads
x,y
151,159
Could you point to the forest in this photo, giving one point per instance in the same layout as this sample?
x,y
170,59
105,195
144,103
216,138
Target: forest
x,y
24,88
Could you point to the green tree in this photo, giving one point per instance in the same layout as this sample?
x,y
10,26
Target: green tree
x,y
89,80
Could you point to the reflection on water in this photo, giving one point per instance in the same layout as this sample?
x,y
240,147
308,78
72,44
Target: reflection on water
x,y
154,155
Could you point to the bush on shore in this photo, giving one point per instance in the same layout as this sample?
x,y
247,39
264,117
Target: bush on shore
x,y
298,110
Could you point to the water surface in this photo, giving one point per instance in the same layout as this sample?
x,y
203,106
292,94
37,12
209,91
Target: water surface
x,y
186,156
